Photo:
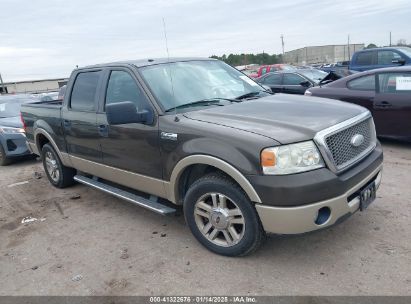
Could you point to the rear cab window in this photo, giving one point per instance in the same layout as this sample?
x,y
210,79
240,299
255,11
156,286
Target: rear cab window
x,y
83,94
365,58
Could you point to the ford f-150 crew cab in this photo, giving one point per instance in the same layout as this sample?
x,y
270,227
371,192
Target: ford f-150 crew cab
x,y
198,133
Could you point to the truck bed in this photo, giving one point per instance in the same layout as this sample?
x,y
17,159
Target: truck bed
x,y
45,115
45,104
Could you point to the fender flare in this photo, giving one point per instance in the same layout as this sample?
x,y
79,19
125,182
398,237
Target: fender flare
x,y
62,155
214,162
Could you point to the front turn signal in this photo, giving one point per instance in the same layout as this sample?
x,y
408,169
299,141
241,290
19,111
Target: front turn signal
x,y
267,158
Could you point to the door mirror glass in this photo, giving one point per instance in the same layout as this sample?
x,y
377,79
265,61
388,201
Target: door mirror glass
x,y
125,112
400,61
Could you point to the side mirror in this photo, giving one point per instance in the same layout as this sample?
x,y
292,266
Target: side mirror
x,y
125,112
400,61
306,84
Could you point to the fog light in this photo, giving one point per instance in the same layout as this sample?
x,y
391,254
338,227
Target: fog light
x,y
323,215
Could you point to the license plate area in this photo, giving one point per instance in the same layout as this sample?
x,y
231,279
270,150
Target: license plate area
x,y
367,196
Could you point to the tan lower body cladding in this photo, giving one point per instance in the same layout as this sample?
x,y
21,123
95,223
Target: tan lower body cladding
x,y
122,177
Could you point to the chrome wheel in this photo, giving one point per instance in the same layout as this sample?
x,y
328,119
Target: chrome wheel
x,y
52,167
219,219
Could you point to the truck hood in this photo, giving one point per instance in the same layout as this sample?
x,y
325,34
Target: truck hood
x,y
13,122
284,118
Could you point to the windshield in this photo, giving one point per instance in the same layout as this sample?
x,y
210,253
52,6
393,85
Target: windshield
x,y
196,80
313,74
406,51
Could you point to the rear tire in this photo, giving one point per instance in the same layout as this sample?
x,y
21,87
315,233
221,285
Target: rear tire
x,y
221,216
59,175
4,161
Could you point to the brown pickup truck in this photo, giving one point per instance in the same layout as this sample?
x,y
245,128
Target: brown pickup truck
x,y
198,133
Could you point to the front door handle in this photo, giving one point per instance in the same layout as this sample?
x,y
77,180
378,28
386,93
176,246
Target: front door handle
x,y
103,130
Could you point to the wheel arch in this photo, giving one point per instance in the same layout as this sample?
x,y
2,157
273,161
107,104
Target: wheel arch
x,y
42,137
177,179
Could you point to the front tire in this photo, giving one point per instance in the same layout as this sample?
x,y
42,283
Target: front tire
x,y
59,175
221,217
4,161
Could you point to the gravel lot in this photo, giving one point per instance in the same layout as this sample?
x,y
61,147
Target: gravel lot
x,y
85,242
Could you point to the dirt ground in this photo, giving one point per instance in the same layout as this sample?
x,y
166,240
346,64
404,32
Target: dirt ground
x,y
85,242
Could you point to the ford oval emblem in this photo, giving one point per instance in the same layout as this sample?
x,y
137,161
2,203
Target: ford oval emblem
x,y
357,140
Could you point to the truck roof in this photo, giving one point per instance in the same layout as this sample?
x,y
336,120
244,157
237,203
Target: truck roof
x,y
385,48
146,62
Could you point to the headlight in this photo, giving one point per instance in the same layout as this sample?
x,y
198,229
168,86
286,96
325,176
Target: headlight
x,y
308,93
289,159
8,130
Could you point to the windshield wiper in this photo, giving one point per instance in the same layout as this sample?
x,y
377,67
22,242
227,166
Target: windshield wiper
x,y
202,102
248,95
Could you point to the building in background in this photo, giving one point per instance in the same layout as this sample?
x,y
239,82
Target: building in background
x,y
322,54
33,86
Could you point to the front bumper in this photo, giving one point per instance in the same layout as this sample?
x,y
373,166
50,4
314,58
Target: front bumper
x,y
301,219
14,145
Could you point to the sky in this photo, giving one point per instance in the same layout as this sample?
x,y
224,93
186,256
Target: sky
x,y
48,38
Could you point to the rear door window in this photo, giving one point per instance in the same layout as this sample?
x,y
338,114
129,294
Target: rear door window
x,y
364,58
292,79
83,95
365,83
399,83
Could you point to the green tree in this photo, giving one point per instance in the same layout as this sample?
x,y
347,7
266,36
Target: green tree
x,y
402,42
243,59
371,46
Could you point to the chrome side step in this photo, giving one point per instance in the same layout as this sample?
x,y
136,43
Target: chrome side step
x,y
128,196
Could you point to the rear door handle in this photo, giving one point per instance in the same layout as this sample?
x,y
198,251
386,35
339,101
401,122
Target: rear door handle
x,y
103,130
383,105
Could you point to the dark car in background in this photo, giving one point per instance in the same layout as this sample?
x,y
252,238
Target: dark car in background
x,y
376,58
12,136
385,92
338,66
295,82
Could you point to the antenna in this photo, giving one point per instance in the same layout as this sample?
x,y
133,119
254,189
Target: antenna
x,y
169,69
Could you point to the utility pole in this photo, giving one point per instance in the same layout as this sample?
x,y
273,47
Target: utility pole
x,y
2,85
282,44
390,38
349,54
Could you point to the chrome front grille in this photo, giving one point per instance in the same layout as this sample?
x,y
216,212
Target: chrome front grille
x,y
336,143
340,145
